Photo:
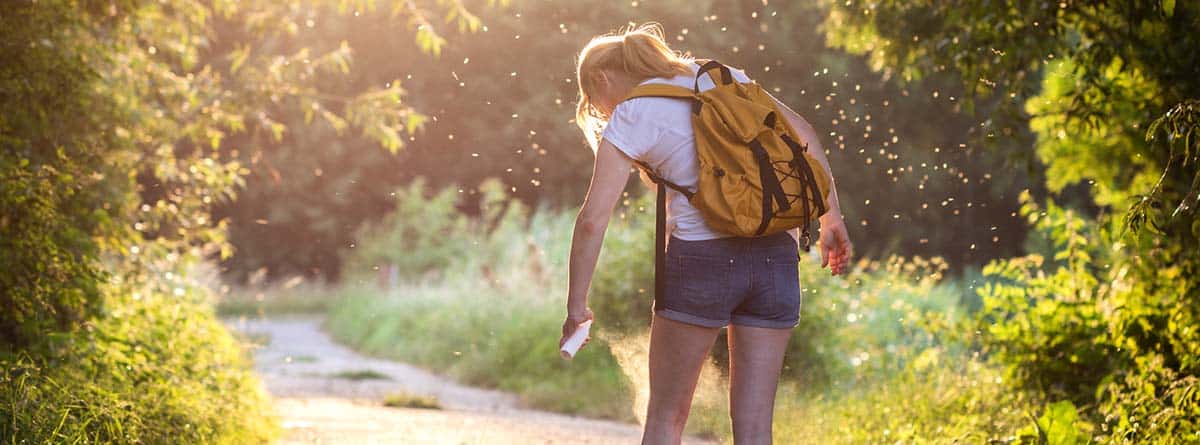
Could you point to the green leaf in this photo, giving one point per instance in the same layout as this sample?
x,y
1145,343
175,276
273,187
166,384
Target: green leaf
x,y
1168,7
1058,422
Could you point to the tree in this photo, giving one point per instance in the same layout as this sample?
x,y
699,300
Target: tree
x,y
500,102
125,122
124,149
1110,91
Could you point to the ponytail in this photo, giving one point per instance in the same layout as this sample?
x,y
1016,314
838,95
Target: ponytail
x,y
640,52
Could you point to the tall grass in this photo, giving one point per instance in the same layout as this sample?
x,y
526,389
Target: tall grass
x,y
872,360
293,296
156,369
499,340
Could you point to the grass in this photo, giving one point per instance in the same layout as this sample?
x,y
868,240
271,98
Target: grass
x,y
257,339
957,401
401,400
361,374
291,297
157,369
507,341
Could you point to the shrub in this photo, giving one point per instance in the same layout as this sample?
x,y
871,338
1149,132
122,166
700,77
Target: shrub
x,y
157,369
939,398
423,234
1082,326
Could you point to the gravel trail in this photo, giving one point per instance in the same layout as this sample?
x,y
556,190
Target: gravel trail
x,y
322,397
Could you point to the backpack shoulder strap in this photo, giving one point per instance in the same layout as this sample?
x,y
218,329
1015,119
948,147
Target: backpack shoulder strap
x,y
660,90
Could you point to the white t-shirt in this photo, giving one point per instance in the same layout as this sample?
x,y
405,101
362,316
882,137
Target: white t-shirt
x,y
658,131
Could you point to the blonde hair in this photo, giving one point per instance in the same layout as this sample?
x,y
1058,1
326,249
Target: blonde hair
x,y
641,52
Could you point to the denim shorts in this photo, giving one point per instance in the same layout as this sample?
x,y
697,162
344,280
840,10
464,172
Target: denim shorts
x,y
739,281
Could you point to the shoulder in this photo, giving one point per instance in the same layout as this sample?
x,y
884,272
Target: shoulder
x,y
629,108
639,106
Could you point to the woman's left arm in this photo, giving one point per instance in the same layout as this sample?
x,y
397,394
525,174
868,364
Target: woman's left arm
x,y
609,176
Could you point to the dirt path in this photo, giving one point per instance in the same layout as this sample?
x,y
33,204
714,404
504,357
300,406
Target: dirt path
x,y
326,393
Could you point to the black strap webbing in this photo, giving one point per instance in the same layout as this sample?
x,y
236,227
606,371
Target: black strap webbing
x,y
771,189
655,178
660,247
726,74
811,195
660,228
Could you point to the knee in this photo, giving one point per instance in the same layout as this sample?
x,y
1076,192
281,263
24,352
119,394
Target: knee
x,y
673,416
751,429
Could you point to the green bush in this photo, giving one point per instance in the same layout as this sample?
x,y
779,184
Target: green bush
x,y
941,398
871,322
157,370
1079,326
1040,315
423,234
52,155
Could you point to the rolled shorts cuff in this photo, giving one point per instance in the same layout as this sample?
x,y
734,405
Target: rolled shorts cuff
x,y
758,323
684,317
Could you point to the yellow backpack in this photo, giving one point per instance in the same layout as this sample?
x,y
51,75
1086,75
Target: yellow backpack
x,y
755,179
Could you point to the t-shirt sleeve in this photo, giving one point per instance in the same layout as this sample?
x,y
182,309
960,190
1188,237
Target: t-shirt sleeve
x,y
629,132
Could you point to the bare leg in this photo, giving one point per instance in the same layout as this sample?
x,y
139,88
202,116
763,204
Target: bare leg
x,y
755,358
677,352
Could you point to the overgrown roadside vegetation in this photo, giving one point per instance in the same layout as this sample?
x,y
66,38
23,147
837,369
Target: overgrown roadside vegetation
x,y
155,370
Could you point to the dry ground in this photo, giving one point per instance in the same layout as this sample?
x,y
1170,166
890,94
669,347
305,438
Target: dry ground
x,y
326,393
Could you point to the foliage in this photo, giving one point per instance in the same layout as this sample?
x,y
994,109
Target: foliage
x,y
1108,89
942,398
49,184
310,188
421,223
1082,326
156,369
488,116
121,94
854,331
122,145
291,297
411,401
1044,316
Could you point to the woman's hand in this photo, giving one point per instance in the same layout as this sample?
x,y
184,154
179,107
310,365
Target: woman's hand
x,y
836,249
572,323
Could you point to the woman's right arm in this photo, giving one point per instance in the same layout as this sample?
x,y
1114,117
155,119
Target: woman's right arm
x,y
609,176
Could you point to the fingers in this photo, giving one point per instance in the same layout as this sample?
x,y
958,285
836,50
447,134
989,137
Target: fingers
x,y
567,330
842,258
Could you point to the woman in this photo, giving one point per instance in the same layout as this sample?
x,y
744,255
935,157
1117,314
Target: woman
x,y
713,280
